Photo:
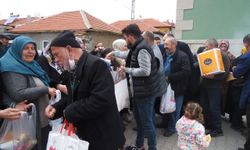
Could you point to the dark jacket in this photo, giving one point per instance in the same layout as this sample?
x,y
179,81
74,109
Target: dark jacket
x,y
91,106
52,72
184,48
179,73
160,73
96,53
243,70
147,85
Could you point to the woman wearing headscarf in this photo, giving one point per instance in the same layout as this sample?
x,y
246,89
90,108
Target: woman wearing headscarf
x,y
24,79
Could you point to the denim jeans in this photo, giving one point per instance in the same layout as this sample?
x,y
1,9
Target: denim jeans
x,y
236,112
171,118
211,103
247,144
144,116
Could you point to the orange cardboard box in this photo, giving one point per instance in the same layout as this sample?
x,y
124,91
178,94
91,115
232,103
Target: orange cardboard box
x,y
211,62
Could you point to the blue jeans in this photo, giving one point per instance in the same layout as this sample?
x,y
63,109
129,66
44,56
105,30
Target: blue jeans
x,y
171,118
211,104
144,116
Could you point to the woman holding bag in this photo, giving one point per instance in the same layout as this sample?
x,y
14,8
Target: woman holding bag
x,y
23,78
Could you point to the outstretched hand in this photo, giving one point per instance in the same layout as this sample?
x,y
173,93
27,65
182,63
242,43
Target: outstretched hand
x,y
50,111
10,113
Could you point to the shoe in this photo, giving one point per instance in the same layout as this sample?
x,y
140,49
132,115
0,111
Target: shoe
x,y
241,148
160,126
207,131
125,123
207,127
168,133
131,148
216,133
127,117
244,133
134,148
238,128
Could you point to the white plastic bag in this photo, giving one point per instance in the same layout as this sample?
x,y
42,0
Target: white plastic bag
x,y
52,101
117,76
168,104
65,139
19,134
122,95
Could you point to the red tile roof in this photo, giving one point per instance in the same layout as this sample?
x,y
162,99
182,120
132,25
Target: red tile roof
x,y
155,23
75,20
19,21
144,24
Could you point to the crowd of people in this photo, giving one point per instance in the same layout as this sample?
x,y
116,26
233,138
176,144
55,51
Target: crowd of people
x,y
149,65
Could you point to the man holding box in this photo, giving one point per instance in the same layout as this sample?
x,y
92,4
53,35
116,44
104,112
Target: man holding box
x,y
211,92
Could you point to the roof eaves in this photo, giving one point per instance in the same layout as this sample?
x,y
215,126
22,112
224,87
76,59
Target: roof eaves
x,y
85,20
113,32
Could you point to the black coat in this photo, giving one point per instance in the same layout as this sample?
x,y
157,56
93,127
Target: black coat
x,y
180,71
52,72
185,48
92,107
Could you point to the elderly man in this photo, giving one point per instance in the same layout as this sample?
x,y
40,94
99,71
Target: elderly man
x,y
192,90
211,92
243,70
91,104
177,70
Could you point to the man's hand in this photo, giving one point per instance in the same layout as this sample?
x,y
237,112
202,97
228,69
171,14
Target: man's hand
x,y
211,76
23,106
10,113
62,88
50,112
121,70
52,91
99,49
109,56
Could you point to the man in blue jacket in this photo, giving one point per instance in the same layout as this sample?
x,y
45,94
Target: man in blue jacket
x,y
243,70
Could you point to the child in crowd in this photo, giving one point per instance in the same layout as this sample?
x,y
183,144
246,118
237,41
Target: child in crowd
x,y
191,133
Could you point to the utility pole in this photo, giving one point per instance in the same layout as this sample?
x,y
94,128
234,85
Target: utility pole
x,y
133,11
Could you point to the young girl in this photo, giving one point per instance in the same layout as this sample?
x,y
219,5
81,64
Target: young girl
x,y
191,133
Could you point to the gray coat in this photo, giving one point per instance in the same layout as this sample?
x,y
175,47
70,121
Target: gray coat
x,y
160,73
21,87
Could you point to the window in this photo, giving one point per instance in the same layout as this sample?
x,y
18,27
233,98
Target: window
x,y
45,43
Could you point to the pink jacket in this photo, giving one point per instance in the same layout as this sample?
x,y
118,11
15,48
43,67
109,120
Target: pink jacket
x,y
191,134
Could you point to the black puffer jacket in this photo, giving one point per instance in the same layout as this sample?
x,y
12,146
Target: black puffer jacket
x,y
143,86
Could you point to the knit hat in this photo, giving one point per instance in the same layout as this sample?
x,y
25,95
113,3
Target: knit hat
x,y
64,39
